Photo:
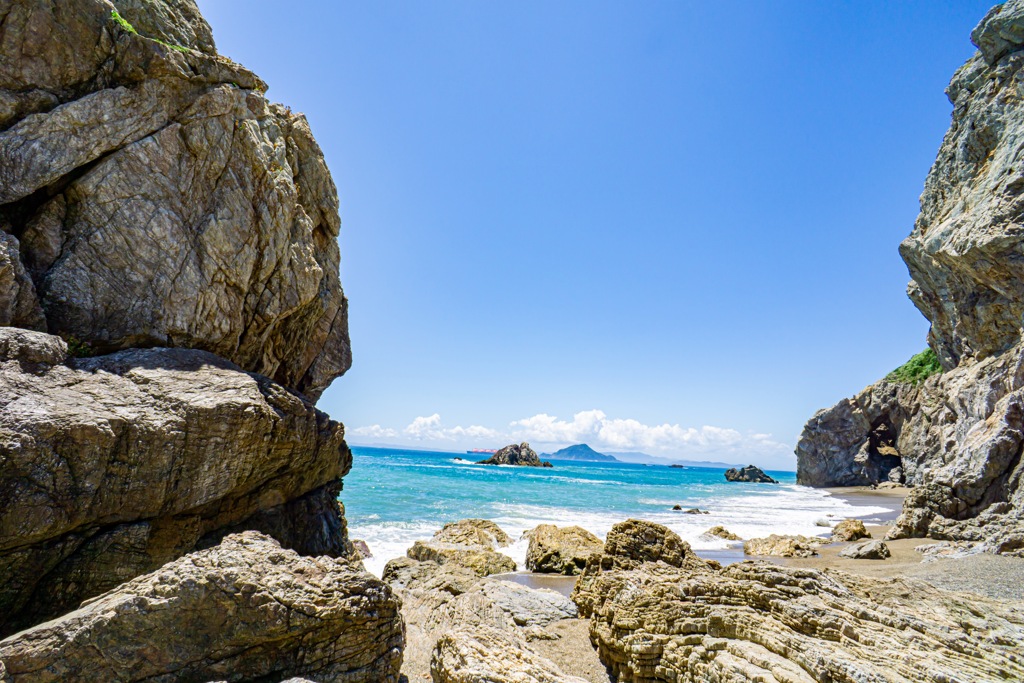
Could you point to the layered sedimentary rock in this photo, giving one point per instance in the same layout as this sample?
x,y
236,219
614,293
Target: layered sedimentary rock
x,y
462,627
957,436
114,465
244,610
755,621
153,197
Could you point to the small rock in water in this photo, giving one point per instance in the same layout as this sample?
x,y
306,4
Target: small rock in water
x,y
750,473
867,550
822,522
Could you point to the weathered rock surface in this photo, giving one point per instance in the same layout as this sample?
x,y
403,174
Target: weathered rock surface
x,y
754,621
115,465
749,473
849,530
462,627
484,653
244,610
719,531
958,436
632,544
480,560
866,550
474,532
560,550
783,546
151,196
516,454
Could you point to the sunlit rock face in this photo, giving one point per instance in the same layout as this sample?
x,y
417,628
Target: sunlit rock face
x,y
157,198
957,436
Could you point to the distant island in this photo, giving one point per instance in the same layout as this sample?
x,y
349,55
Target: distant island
x,y
580,451
645,459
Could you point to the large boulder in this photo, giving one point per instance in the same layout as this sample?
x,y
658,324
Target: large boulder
x,y
519,454
755,621
866,550
480,560
560,550
464,627
150,195
473,532
849,530
631,544
956,436
484,653
245,610
115,465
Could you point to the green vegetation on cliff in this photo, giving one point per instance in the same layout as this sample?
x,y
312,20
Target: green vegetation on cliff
x,y
917,369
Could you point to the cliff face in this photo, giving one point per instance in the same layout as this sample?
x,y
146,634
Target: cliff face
x,y
151,196
170,309
959,435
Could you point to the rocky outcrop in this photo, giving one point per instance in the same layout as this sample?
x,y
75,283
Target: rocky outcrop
x,y
462,627
485,653
750,474
560,550
629,545
117,464
481,560
755,621
958,436
849,530
245,610
783,546
719,531
481,532
516,454
151,196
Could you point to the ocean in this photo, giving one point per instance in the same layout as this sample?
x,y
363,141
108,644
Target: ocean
x,y
394,497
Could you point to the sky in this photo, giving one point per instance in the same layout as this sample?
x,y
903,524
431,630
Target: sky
x,y
664,226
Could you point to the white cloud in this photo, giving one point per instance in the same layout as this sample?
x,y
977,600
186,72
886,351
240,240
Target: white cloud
x,y
374,432
430,429
593,427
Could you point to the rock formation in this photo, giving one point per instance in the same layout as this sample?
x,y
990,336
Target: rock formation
x,y
480,559
719,531
957,436
560,550
866,550
755,621
115,465
748,474
464,628
516,454
245,609
784,546
849,530
474,532
138,166
170,309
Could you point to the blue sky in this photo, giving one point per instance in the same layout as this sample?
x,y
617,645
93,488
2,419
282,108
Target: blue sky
x,y
658,226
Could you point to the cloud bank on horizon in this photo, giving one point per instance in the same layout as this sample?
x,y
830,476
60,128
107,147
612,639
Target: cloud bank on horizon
x,y
592,427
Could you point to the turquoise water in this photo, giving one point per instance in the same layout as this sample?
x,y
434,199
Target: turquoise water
x,y
395,497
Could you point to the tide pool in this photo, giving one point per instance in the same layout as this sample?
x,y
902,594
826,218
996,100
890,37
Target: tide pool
x,y
394,497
